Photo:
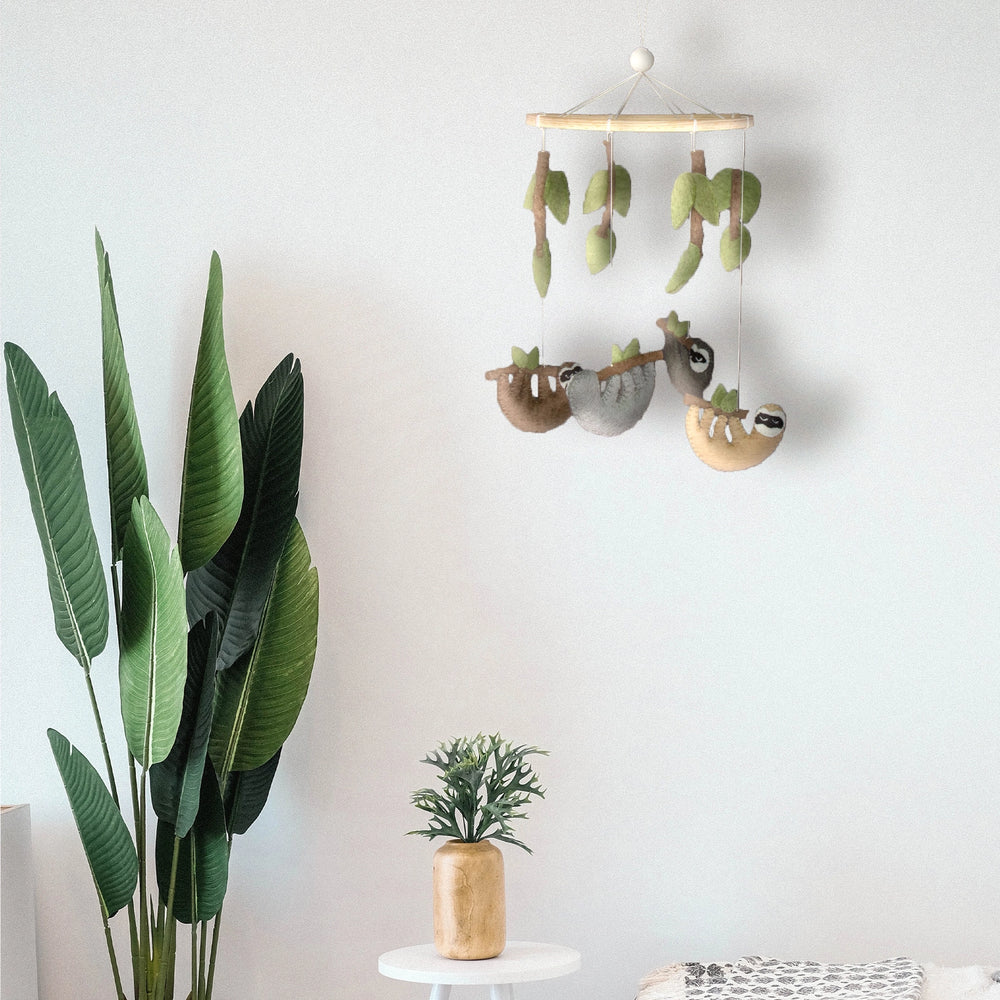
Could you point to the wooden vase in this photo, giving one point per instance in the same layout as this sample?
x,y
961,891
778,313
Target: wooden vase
x,y
469,909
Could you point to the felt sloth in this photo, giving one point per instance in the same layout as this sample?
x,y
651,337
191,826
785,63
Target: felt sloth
x,y
613,400
690,360
532,399
739,450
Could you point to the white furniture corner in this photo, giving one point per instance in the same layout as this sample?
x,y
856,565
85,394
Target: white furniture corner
x,y
17,905
520,962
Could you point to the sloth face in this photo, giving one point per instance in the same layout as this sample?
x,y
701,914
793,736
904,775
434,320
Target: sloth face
x,y
566,374
700,360
769,420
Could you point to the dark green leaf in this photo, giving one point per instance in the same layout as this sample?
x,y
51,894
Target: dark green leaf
x,y
212,484
246,794
235,583
153,662
175,782
110,852
53,473
203,852
127,477
259,699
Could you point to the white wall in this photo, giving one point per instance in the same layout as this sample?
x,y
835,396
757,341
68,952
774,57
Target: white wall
x,y
771,696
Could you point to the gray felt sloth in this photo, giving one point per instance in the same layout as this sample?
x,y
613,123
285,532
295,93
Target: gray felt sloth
x,y
611,406
690,362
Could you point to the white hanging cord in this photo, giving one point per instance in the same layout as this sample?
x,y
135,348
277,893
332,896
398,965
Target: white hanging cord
x,y
642,12
739,310
656,84
628,96
603,93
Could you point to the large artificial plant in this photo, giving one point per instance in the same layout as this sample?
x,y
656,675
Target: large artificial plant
x,y
216,637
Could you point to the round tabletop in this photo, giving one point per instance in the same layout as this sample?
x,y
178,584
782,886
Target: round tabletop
x,y
519,962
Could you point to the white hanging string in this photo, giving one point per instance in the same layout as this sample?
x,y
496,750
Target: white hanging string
x,y
739,310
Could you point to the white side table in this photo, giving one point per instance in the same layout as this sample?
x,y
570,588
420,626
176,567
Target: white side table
x,y
520,962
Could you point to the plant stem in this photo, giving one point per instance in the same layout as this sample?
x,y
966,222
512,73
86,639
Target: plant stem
x,y
215,953
111,954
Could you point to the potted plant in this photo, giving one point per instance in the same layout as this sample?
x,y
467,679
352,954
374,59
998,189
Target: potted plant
x,y
486,782
216,636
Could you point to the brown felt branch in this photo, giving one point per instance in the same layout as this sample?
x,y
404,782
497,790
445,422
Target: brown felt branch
x,y
538,200
697,223
550,371
735,204
619,367
605,226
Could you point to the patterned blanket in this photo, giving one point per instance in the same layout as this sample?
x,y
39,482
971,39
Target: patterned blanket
x,y
770,979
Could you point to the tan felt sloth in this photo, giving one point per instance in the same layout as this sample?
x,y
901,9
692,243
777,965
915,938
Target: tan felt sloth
x,y
519,403
744,451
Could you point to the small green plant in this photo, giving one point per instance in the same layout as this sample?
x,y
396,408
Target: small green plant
x,y
487,782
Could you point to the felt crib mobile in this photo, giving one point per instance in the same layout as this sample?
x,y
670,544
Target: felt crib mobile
x,y
537,397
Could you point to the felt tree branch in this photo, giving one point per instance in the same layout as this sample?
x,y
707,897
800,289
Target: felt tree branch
x,y
547,189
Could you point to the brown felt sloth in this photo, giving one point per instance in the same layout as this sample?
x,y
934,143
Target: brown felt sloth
x,y
531,398
744,451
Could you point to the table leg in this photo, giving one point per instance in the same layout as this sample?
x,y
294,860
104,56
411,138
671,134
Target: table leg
x,y
440,991
502,991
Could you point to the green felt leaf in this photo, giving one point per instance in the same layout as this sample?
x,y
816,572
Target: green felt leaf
x,y
676,327
597,192
541,269
106,841
212,483
722,188
751,196
524,360
725,400
557,195
734,251
600,250
631,351
621,196
152,666
529,198
686,267
682,199
127,477
705,203
53,474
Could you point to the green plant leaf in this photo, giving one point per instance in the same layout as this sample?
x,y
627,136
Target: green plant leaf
x,y
529,198
524,360
728,401
686,267
704,199
676,327
53,472
259,699
153,646
127,477
621,196
107,843
597,192
246,794
175,782
557,195
682,199
203,854
600,249
212,483
236,582
541,269
734,251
